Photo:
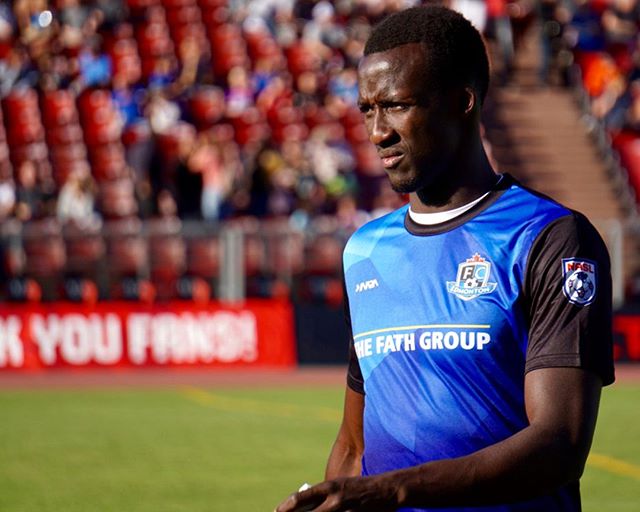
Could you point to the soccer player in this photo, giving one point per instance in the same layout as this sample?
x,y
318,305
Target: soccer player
x,y
480,312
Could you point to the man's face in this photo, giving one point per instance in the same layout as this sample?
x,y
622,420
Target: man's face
x,y
415,129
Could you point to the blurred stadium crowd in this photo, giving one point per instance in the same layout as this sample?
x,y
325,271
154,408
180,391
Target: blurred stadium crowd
x,y
131,128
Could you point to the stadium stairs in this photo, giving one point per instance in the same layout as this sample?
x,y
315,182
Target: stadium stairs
x,y
537,134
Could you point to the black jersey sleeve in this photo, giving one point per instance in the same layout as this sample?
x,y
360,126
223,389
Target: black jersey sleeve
x,y
354,374
570,323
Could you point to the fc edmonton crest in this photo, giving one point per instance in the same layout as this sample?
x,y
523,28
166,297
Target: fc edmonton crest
x,y
579,280
473,279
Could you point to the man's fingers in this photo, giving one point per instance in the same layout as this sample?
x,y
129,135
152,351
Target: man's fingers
x,y
301,501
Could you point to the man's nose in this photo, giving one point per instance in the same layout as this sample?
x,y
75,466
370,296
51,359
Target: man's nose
x,y
379,128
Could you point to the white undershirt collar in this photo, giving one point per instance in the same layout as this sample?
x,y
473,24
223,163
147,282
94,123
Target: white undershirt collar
x,y
429,219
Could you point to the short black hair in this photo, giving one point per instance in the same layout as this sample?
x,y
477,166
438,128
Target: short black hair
x,y
456,54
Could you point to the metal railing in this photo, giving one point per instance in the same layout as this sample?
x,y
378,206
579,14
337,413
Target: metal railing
x,y
234,259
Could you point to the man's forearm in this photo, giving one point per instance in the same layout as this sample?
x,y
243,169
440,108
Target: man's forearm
x,y
344,461
527,464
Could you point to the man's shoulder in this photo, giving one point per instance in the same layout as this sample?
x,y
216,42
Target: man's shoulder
x,y
522,204
526,196
365,238
376,227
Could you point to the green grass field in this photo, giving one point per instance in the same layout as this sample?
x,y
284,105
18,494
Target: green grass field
x,y
192,449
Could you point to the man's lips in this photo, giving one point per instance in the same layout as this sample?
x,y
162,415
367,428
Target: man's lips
x,y
390,160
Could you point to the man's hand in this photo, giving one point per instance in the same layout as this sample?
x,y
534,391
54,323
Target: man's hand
x,y
355,494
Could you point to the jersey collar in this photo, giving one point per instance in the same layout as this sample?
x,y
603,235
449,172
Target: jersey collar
x,y
434,229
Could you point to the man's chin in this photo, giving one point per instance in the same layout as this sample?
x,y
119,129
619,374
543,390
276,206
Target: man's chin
x,y
403,186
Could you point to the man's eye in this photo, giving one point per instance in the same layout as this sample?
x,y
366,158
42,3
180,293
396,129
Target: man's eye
x,y
364,108
398,107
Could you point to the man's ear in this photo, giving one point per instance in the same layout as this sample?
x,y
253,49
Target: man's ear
x,y
469,100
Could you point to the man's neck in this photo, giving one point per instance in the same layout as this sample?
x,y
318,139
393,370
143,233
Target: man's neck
x,y
456,186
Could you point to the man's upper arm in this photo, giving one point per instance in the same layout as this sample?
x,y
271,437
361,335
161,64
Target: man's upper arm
x,y
567,295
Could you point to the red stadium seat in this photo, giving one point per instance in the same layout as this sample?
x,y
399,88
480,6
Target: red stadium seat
x,y
113,152
59,108
250,127
18,101
128,257
126,60
100,119
64,135
44,260
179,4
168,143
144,4
62,171
21,107
209,5
206,106
203,257
300,59
194,30
36,152
85,249
153,41
215,17
127,250
117,199
64,155
183,15
168,257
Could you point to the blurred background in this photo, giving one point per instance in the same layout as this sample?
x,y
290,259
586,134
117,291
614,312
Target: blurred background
x,y
211,150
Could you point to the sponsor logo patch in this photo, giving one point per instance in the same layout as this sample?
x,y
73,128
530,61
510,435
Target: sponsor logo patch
x,y
579,280
366,285
472,279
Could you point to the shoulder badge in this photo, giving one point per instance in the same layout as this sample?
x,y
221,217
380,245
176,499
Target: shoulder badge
x,y
579,280
472,279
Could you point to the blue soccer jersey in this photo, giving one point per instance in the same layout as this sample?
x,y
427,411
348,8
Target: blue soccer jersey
x,y
447,319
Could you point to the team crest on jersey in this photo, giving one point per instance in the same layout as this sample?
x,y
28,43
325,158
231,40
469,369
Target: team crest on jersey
x,y
579,281
473,279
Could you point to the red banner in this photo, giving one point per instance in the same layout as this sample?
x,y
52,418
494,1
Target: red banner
x,y
628,326
121,334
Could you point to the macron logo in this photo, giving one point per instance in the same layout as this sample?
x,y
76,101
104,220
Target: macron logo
x,y
366,285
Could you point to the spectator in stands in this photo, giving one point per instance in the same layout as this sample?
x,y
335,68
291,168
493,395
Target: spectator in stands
x,y
620,23
239,95
499,27
632,117
18,287
322,27
94,66
264,72
166,205
189,183
7,25
7,197
16,70
584,30
165,72
344,84
348,215
162,112
129,99
73,17
34,21
76,201
193,68
112,12
56,72
28,194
